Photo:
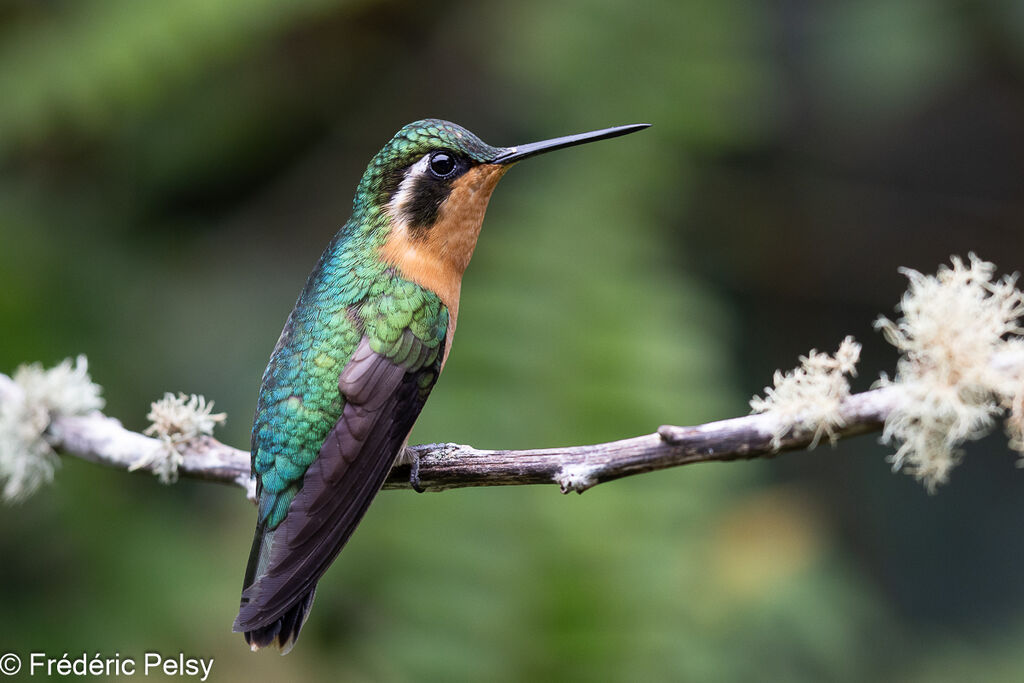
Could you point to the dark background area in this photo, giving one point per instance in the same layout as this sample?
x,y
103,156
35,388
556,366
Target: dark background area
x,y
169,173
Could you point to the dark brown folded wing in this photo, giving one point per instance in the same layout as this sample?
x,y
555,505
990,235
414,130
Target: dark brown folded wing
x,y
382,401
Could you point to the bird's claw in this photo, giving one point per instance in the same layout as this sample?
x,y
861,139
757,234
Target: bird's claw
x,y
414,472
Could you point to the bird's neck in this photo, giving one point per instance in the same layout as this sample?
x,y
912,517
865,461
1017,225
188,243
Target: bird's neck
x,y
436,257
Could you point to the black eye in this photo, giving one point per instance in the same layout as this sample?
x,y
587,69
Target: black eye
x,y
442,164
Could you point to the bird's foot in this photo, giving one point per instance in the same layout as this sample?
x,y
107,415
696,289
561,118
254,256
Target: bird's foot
x,y
414,470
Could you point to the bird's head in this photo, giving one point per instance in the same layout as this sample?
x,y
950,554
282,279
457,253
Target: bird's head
x,y
433,181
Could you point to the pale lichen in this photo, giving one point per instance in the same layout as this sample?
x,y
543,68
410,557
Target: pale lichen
x,y
34,397
956,332
176,420
809,397
577,477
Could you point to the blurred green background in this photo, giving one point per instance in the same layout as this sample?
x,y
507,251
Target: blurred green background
x,y
170,171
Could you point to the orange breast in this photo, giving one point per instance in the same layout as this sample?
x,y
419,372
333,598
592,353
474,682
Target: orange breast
x,y
437,257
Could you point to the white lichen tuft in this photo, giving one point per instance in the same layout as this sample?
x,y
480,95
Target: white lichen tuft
x,y
956,333
34,397
64,389
809,398
175,421
577,477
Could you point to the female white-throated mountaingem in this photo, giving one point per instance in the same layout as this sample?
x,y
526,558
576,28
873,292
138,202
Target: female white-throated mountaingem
x,y
359,355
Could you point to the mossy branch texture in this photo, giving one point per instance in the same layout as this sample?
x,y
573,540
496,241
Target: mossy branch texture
x,y
961,371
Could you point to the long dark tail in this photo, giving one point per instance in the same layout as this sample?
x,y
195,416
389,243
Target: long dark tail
x,y
285,628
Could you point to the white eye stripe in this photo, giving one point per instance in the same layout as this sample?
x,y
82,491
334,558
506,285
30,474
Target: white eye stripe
x,y
406,190
420,168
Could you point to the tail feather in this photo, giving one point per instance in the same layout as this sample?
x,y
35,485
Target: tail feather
x,y
285,629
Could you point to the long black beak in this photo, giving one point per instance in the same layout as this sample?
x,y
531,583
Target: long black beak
x,y
511,155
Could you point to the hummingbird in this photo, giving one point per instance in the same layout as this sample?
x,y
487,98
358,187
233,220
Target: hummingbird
x,y
359,355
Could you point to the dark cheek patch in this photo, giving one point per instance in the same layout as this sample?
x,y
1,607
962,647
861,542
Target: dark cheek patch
x,y
428,195
423,195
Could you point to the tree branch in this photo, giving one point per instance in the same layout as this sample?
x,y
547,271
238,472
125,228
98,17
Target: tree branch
x,y
101,439
962,364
